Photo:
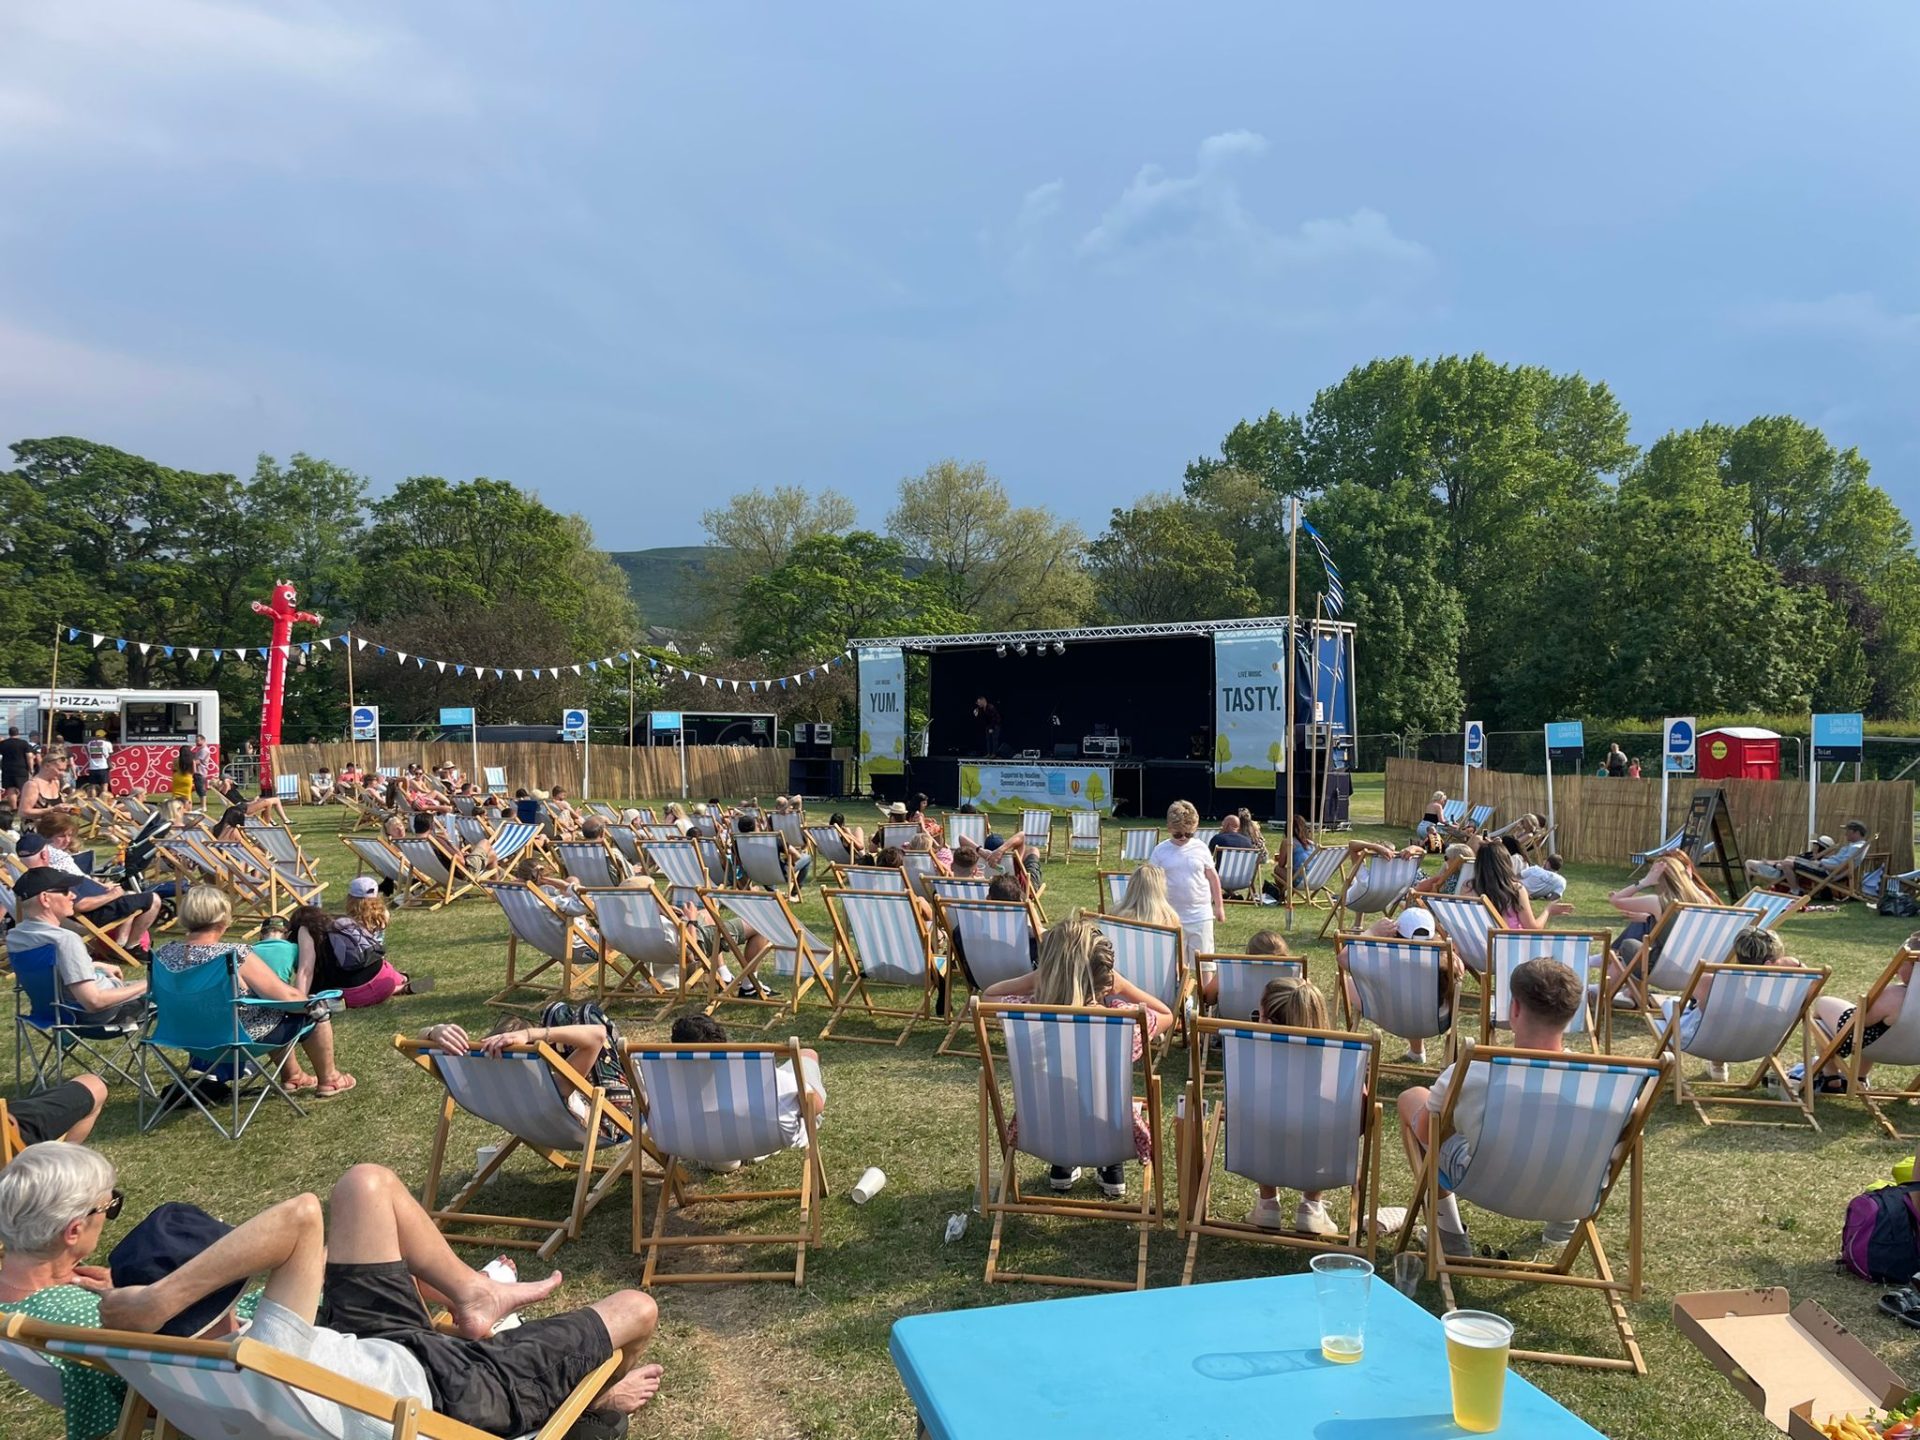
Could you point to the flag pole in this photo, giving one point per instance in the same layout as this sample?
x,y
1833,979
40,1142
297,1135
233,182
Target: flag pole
x,y
1293,641
53,686
1316,806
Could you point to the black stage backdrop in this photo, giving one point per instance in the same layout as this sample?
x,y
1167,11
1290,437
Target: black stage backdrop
x,y
1157,690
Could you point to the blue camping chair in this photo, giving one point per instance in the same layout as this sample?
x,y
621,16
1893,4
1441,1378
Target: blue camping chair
x,y
199,1011
46,1030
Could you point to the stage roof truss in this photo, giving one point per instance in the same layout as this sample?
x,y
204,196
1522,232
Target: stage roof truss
x,y
1091,634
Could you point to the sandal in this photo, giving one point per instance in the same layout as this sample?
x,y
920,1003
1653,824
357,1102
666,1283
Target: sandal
x,y
1904,1305
342,1083
302,1082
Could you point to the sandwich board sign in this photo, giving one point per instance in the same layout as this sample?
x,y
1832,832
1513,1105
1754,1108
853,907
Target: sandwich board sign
x,y
1680,747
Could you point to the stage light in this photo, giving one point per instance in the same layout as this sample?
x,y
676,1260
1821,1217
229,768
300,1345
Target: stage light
x,y
1059,647
1021,648
1001,651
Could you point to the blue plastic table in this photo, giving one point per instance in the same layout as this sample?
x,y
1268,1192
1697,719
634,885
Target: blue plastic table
x,y
1240,1358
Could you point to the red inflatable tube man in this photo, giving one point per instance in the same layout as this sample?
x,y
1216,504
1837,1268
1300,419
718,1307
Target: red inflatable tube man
x,y
284,615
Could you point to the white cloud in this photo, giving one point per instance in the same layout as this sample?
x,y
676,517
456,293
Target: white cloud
x,y
1852,315
1040,205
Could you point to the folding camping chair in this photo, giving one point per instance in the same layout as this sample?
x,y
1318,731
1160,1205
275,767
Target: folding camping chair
x,y
1071,1073
544,1105
496,777
1898,1044
1113,888
1747,1017
1772,905
1239,875
719,1105
46,1030
881,941
1404,987
795,951
588,861
871,877
1037,826
1685,937
763,859
1137,844
640,927
440,882
970,828
199,1011
1558,1131
829,847
1083,835
535,921
679,860
1465,921
1297,1111
992,941
1377,886
1579,950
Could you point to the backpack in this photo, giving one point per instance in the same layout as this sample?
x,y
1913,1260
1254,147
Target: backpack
x,y
1897,902
1877,1237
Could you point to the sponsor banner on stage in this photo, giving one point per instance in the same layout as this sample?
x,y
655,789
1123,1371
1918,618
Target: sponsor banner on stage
x,y
1038,787
1249,699
883,711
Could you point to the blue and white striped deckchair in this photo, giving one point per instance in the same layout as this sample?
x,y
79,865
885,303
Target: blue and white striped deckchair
x,y
953,887
1204,838
656,942
604,811
1037,826
496,778
1239,875
921,867
1113,888
1404,987
651,830
1579,950
1665,847
1137,844
586,861
1466,921
1480,817
1558,1132
788,827
1686,936
646,814
717,1105
623,839
510,842
567,942
1083,834
1898,1044
1242,979
464,805
714,857
881,942
897,836
471,830
251,876
530,1092
1149,956
992,941
763,860
287,787
280,845
1453,812
389,772
1297,1112
1746,1018
971,828
679,860
1320,874
793,951
871,877
703,825
440,882
828,845
1071,1074
1381,882
449,826
32,1371
1772,905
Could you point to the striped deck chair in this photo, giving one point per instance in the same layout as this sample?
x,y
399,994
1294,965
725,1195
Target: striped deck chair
x,y
1747,1018
1480,818
699,825
957,887
971,828
646,814
1772,905
1404,987
714,856
828,845
1319,878
1204,838
789,828
1453,813
287,787
588,861
566,942
624,840
1466,921
637,926
138,811
1559,1131
1113,888
1579,950
276,890
448,825
1071,1075
496,778
39,1375
679,860
881,942
649,832
898,835
793,952
992,941
1037,826
604,811
763,860
512,840
1150,956
870,877
1083,835
378,857
389,772
1687,936
529,1092
1137,844
1665,847
1239,875
438,881
1296,1109
714,1105
470,830
280,845
464,805
1243,979
1376,887
921,867
1898,1044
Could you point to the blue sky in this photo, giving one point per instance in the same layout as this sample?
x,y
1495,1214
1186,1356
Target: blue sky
x,y
639,256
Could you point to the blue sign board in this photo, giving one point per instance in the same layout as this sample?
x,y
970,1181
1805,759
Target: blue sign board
x,y
573,724
1566,735
1839,737
666,720
1681,740
1476,738
451,716
366,722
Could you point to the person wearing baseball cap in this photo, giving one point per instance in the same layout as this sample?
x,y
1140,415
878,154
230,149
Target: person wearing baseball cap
x,y
86,991
1414,924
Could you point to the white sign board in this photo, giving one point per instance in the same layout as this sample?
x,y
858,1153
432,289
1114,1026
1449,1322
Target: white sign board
x,y
366,722
573,725
1679,747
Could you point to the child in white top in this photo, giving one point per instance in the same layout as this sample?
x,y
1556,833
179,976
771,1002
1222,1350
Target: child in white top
x,y
1193,885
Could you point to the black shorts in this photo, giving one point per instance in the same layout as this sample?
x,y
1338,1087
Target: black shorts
x,y
119,908
508,1385
97,777
52,1113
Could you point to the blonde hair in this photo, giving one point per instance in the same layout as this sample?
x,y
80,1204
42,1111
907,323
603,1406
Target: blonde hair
x,y
206,907
1146,898
1076,965
1676,886
1438,797
1295,1002
1754,946
368,911
1182,819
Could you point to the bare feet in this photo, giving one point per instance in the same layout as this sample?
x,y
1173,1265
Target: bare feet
x,y
491,1302
639,1386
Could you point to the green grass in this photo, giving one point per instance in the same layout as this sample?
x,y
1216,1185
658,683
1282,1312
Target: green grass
x,y
1726,1207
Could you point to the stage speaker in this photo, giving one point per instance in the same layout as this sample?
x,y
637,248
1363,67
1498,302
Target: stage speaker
x,y
1066,751
813,742
818,779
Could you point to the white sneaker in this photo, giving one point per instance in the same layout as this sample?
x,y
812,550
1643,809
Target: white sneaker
x,y
1266,1214
1311,1218
1416,1055
1717,1072
1388,1220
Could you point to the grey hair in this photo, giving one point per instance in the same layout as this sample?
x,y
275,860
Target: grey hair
x,y
46,1188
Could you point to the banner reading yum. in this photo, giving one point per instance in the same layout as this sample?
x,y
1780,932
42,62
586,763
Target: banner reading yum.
x,y
883,711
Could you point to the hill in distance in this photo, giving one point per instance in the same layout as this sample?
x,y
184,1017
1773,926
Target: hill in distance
x,y
664,582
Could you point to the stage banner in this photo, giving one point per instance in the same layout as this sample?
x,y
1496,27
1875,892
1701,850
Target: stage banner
x,y
1038,787
883,711
1249,699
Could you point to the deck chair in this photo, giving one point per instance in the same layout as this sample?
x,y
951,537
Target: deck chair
x,y
1071,1074
624,840
1297,1112
763,859
1239,875
646,814
955,887
587,861
439,882
881,942
1453,813
828,845
469,830
1376,887
377,856
1113,888
1152,957
1465,921
679,860
898,835
1579,950
1772,905
993,941
39,1374
637,926
513,839
1319,878
464,805
715,856
1083,835
1404,987
543,1105
794,951
1244,979
1480,817
1559,1131
287,787
1137,844
1686,936
1746,1019
1665,847
715,1105
263,887
1037,826
789,828
496,778
198,1012
1843,881
921,867
47,1030
568,945
870,877
1898,1044
651,831
280,845
603,810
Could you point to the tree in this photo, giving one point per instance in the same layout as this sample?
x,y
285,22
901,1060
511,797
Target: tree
x,y
833,588
755,532
1269,449
1011,568
1161,561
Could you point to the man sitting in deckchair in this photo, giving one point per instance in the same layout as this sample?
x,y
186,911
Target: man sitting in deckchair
x,y
1813,867
705,1030
1545,996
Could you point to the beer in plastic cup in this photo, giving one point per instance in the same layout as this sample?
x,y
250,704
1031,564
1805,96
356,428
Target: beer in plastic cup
x,y
1341,1284
1477,1364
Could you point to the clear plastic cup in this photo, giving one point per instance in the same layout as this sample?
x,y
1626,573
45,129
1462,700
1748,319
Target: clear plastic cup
x,y
1341,1283
1477,1345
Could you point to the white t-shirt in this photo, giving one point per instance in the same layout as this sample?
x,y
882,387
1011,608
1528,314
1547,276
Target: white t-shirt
x,y
1470,1111
380,1364
793,1129
1540,883
99,752
1186,863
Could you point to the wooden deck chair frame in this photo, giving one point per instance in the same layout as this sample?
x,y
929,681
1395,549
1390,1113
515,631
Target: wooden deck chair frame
x,y
762,846
636,981
1796,1100
997,1141
1248,894
1199,1133
811,966
809,1194
1641,973
279,844
1626,1158
1085,835
1772,905
1324,877
1338,916
1509,948
259,890
945,909
24,1337
870,877
851,974
1184,982
1352,1005
827,845
587,854
454,881
291,873
367,864
1841,884
1900,1029
576,941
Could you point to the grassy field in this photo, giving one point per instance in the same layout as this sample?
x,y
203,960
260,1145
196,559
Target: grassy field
x,y
1727,1207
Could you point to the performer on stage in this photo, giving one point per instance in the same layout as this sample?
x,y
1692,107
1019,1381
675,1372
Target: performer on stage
x,y
987,717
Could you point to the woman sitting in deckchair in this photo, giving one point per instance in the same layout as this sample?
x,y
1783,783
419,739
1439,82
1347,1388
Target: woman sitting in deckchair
x,y
1750,947
582,1035
1496,880
1672,880
1446,881
1833,1016
1299,1005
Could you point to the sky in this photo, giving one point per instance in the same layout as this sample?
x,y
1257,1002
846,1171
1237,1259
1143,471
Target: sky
x,y
637,257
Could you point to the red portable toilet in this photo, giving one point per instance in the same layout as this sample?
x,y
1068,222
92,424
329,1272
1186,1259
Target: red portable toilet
x,y
1739,752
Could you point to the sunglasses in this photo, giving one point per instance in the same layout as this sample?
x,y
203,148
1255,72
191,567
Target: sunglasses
x,y
112,1208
